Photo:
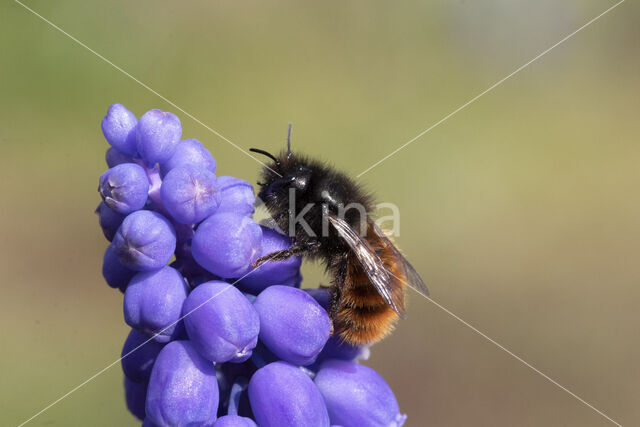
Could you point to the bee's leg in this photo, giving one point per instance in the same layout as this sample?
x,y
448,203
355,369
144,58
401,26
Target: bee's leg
x,y
295,250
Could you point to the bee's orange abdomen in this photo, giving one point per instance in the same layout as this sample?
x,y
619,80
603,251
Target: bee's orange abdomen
x,y
361,315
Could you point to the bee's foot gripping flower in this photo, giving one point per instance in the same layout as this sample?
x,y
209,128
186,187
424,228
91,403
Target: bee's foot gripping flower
x,y
214,341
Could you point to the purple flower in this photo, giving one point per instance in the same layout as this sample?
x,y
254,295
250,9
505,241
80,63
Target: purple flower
x,y
292,324
183,389
158,134
236,196
115,274
114,157
234,421
227,244
109,220
124,188
119,128
190,194
286,272
138,356
282,395
145,241
189,152
321,295
221,322
335,348
135,395
153,302
356,395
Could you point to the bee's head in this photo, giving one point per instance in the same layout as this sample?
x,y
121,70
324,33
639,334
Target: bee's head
x,y
285,172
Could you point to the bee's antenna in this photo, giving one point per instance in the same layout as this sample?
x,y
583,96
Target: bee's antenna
x,y
289,141
265,153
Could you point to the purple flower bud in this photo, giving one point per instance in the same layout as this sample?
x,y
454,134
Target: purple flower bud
x,y
115,157
236,196
148,423
357,395
183,389
158,134
138,356
286,272
262,355
145,241
109,219
234,421
184,263
115,274
135,395
153,302
119,128
189,152
321,295
282,395
292,324
124,188
192,271
227,244
336,348
221,322
190,194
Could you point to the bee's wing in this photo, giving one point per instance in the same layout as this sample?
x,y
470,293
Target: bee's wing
x,y
371,263
413,278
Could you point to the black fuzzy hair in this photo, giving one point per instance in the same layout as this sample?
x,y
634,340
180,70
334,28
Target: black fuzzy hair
x,y
281,174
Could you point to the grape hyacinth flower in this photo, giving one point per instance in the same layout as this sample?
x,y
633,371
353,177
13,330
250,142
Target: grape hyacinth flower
x,y
114,157
138,356
292,324
285,272
183,389
357,395
227,244
190,194
115,274
236,196
135,395
124,188
221,322
235,421
119,128
283,395
145,241
109,220
215,341
157,136
153,302
189,152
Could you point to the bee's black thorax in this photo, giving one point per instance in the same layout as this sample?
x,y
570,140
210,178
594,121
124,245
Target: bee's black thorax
x,y
305,191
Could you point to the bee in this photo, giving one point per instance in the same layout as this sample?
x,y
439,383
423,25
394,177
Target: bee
x,y
310,201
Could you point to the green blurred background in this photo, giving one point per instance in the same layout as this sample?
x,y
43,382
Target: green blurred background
x,y
521,212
